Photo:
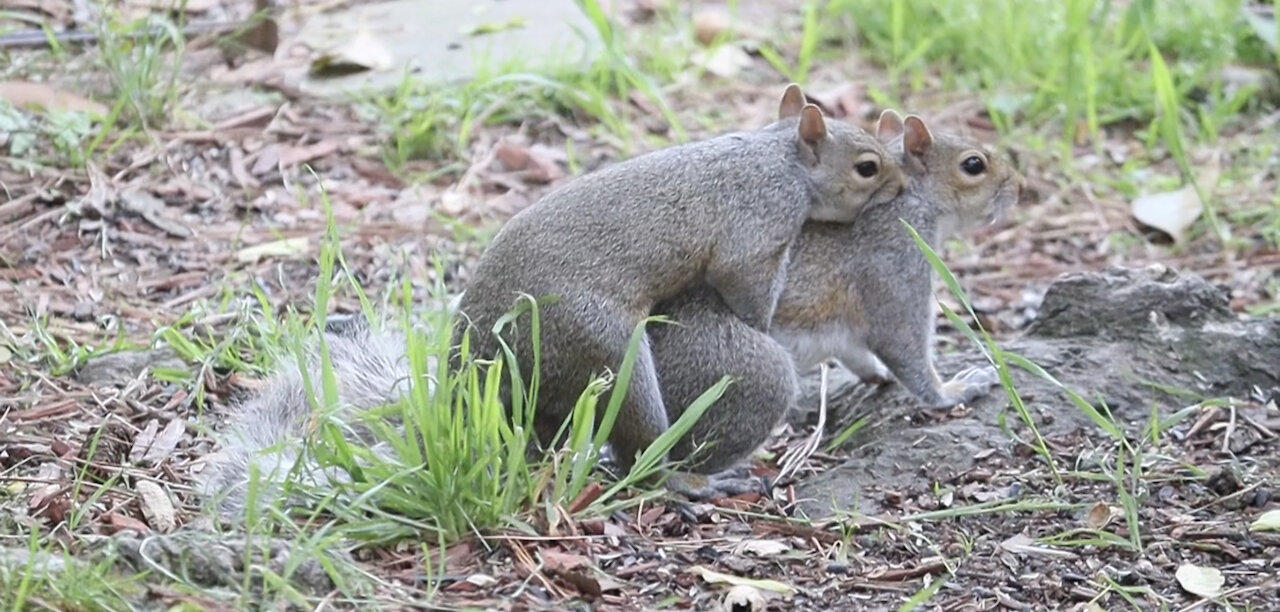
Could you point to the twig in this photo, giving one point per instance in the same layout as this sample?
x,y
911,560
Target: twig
x,y
797,455
39,38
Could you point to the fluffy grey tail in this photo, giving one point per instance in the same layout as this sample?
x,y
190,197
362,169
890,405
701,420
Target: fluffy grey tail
x,y
267,429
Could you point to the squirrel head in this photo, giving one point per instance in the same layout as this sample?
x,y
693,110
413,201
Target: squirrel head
x,y
850,169
970,184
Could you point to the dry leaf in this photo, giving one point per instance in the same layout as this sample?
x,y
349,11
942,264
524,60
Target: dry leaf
x,y
482,580
1171,212
743,597
1022,544
143,440
157,508
39,96
537,163
164,443
1099,515
288,247
120,522
842,101
708,24
1269,521
268,159
725,62
362,52
292,156
1203,581
559,561
762,548
715,577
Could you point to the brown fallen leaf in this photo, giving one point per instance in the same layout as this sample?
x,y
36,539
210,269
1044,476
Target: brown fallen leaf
x,y
842,101
157,446
536,163
268,159
157,508
293,156
143,440
42,97
560,561
711,23
1099,515
119,522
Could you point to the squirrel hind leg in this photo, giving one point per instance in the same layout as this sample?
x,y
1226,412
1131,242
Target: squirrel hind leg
x,y
643,417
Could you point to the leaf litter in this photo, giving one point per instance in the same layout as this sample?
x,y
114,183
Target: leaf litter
x,y
122,248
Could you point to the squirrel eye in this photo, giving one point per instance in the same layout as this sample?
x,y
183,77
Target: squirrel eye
x,y
973,165
866,169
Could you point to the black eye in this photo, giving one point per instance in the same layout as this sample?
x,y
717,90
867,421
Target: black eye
x,y
973,165
866,169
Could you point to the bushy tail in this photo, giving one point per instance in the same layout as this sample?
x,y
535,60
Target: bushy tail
x,y
267,429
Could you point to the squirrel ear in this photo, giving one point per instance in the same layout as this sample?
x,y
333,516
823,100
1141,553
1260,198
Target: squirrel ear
x,y
916,137
812,128
792,102
889,126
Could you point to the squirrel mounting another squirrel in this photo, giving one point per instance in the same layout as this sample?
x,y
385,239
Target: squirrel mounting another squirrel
x,y
721,213
752,241
860,293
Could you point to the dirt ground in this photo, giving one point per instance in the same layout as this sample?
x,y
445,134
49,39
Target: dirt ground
x,y
177,228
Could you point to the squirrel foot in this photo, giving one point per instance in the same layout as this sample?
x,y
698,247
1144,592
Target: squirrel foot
x,y
706,487
971,383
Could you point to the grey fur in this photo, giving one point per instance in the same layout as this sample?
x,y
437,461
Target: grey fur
x,y
266,430
764,384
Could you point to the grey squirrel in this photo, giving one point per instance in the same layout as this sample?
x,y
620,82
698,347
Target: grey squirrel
x,y
861,293
721,213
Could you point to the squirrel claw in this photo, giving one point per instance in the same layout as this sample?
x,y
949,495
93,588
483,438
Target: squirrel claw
x,y
701,487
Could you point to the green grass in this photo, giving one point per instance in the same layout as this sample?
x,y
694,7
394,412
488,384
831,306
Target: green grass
x,y
48,579
1072,61
424,119
142,58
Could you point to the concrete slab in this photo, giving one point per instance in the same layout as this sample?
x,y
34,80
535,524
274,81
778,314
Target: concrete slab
x,y
436,40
